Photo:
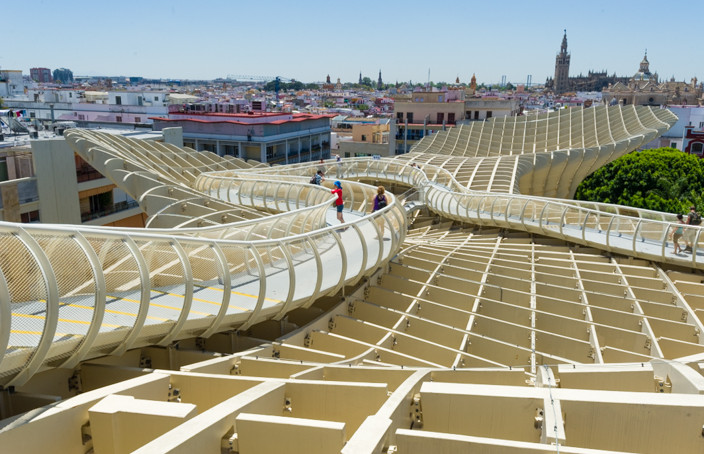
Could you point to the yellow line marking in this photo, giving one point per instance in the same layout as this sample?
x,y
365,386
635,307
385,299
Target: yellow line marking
x,y
65,320
200,300
109,311
182,296
112,311
39,333
240,293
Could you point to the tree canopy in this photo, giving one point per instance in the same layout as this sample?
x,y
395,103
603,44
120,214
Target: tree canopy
x,y
285,86
662,179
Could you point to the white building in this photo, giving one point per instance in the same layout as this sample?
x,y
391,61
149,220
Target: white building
x,y
11,83
92,108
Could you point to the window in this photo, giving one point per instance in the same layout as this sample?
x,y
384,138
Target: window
x,y
701,125
451,118
441,118
697,148
32,216
409,117
476,115
81,117
118,119
399,116
70,95
439,98
118,100
364,138
156,98
673,144
488,114
137,119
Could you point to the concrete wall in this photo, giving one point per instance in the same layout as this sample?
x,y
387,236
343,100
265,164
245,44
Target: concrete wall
x,y
55,168
174,136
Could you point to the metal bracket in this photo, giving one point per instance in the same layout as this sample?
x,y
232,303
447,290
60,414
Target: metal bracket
x,y
417,411
86,434
200,343
74,382
538,419
174,394
145,362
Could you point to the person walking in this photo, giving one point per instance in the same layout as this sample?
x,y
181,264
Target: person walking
x,y
380,201
339,203
677,233
319,177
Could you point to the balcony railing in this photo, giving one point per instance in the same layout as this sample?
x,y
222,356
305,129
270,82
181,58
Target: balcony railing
x,y
116,208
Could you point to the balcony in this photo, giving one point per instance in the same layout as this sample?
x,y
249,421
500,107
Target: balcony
x,y
116,208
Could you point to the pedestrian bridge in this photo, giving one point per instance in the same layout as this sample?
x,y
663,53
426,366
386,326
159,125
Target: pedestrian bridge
x,y
229,245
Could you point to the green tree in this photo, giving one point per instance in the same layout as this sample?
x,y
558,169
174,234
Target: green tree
x,y
662,179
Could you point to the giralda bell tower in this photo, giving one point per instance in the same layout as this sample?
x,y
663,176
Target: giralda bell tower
x,y
562,68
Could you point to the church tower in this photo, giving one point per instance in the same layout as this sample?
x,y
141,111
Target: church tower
x,y
360,78
379,84
562,68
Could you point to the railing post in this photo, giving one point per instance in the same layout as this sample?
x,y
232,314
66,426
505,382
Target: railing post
x,y
224,273
5,316
99,308
144,300
187,298
52,310
252,319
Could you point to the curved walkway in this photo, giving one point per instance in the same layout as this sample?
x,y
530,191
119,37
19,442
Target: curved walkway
x,y
212,261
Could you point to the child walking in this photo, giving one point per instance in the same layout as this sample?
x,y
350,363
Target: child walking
x,y
339,203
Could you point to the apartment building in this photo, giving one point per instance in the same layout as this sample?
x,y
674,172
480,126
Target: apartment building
x,y
269,137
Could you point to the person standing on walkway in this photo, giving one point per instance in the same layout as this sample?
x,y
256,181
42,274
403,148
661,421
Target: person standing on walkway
x,y
339,203
319,177
378,202
338,160
693,218
676,234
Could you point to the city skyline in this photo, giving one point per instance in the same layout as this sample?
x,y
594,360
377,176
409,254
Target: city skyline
x,y
405,40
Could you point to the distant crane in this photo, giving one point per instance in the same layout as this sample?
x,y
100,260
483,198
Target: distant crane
x,y
246,78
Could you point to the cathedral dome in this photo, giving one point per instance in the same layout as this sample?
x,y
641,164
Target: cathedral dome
x,y
644,70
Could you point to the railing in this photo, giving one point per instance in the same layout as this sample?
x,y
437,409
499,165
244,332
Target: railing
x,y
71,293
116,208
